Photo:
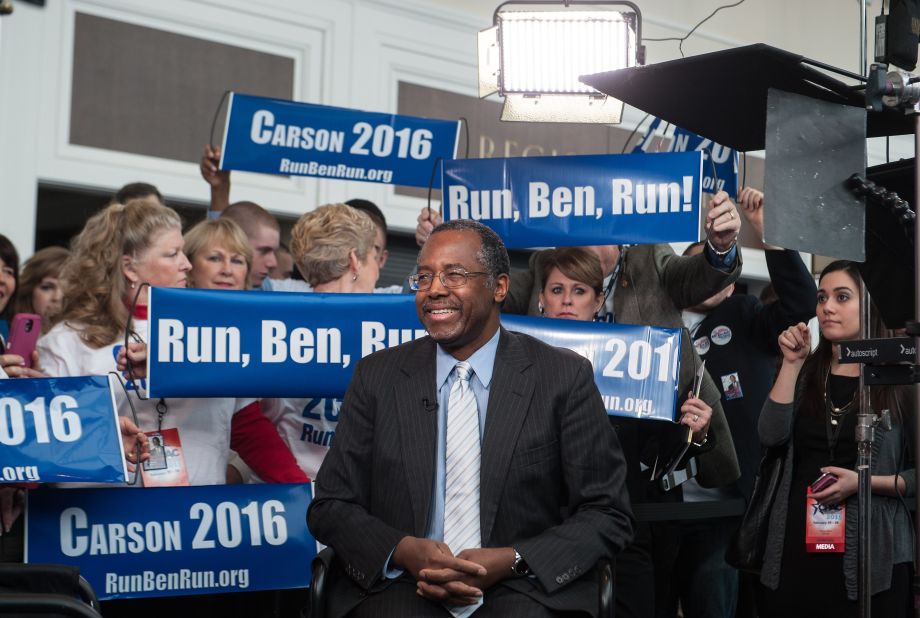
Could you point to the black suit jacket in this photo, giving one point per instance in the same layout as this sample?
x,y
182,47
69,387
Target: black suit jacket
x,y
552,483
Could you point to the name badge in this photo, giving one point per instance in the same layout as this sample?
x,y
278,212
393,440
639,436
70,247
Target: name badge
x,y
166,466
825,526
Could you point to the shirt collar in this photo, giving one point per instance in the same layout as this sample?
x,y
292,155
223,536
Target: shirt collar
x,y
482,361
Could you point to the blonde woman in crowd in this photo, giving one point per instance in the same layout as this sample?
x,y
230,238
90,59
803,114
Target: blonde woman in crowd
x,y
335,250
221,258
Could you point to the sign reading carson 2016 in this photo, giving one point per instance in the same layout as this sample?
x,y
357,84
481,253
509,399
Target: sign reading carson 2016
x,y
274,136
579,200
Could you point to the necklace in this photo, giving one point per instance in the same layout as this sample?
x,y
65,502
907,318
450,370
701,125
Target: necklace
x,y
835,412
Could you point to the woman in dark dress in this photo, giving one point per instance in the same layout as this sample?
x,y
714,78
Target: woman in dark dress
x,y
812,408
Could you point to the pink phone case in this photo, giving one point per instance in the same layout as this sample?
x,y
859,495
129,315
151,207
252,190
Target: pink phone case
x,y
25,330
823,482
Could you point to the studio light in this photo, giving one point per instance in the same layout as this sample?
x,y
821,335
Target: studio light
x,y
533,58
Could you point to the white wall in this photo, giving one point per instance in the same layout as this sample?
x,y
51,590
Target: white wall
x,y
346,52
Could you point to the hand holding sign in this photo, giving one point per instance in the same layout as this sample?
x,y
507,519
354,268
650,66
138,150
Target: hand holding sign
x,y
750,202
134,441
214,176
428,219
696,414
722,222
136,352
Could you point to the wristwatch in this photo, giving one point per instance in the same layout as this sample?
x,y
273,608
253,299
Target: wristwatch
x,y
519,567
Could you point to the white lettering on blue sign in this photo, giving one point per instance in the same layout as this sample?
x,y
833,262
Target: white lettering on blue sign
x,y
642,199
199,344
15,474
79,537
173,581
60,417
480,205
380,140
376,336
264,131
178,343
545,200
226,524
561,201
266,523
302,345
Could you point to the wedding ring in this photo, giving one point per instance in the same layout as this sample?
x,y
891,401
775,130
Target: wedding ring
x,y
731,214
696,418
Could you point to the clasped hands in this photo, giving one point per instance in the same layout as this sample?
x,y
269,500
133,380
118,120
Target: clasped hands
x,y
454,580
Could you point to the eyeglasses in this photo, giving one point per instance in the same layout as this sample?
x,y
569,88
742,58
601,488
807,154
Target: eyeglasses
x,y
449,279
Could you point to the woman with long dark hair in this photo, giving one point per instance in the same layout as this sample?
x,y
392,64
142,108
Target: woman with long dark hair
x,y
812,409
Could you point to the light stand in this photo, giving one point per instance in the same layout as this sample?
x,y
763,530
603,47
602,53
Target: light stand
x,y
900,92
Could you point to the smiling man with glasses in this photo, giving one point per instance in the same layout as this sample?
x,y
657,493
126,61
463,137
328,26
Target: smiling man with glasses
x,y
474,470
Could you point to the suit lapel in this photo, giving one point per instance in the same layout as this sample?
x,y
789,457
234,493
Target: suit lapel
x,y
418,428
509,402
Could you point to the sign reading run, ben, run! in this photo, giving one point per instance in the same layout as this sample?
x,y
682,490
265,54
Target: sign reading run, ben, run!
x,y
579,200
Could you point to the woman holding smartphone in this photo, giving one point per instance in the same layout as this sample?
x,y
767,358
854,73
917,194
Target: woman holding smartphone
x,y
810,565
11,365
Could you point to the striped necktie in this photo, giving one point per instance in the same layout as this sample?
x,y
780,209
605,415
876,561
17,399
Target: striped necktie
x,y
461,488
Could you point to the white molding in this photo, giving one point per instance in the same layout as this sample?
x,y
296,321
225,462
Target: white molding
x,y
307,44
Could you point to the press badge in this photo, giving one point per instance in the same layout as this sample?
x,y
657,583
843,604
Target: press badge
x,y
166,466
825,526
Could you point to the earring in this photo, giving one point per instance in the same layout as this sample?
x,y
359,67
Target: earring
x,y
355,277
540,307
133,285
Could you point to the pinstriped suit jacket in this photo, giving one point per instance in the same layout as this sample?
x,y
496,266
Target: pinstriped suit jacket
x,y
553,474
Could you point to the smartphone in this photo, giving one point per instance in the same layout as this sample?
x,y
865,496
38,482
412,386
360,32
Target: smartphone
x,y
25,330
823,482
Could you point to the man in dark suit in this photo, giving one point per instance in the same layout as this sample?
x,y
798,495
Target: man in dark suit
x,y
550,499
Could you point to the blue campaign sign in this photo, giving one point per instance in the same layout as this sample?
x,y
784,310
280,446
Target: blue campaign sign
x,y
719,175
578,200
172,541
635,367
207,343
273,136
60,430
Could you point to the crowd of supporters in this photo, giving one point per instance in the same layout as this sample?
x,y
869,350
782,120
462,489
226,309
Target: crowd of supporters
x,y
761,373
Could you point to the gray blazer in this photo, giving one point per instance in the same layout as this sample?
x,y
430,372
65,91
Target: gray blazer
x,y
552,471
890,532
655,285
